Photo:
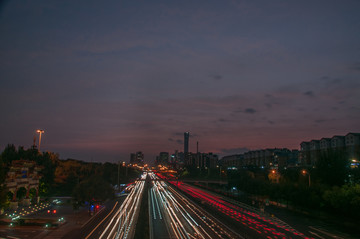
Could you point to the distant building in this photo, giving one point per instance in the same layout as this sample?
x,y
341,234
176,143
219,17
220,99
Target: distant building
x,y
264,158
137,158
311,151
338,142
293,158
207,160
190,159
314,151
132,158
177,160
201,160
325,144
352,144
177,157
162,159
309,154
186,142
230,161
304,155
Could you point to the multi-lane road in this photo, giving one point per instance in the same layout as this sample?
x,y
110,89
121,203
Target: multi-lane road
x,y
171,215
174,216
180,211
174,213
245,221
121,221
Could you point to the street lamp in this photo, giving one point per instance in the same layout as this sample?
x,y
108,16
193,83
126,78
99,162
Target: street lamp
x,y
304,172
276,175
40,131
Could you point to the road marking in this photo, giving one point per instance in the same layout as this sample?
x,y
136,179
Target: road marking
x,y
152,200
150,220
101,221
316,235
93,217
326,233
157,204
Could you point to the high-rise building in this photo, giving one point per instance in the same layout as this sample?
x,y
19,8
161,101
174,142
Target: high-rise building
x,y
186,142
137,158
163,158
132,158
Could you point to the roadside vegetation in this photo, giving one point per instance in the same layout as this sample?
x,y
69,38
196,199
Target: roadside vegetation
x,y
331,186
83,181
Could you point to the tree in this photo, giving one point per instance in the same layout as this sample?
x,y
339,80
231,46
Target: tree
x,y
70,183
345,199
94,188
9,154
332,168
3,190
110,172
48,161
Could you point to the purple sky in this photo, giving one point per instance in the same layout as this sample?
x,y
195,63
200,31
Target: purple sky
x,y
105,79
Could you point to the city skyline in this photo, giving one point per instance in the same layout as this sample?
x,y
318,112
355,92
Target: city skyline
x,y
107,80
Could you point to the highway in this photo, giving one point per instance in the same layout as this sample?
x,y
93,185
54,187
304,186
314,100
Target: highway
x,y
121,221
176,211
247,222
95,226
159,220
174,216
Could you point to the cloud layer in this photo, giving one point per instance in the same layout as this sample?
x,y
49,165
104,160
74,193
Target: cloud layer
x,y
108,80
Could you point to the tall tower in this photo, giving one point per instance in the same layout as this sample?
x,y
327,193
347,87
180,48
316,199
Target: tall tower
x,y
186,142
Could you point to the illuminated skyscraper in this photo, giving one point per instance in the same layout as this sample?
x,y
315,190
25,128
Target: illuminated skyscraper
x,y
186,142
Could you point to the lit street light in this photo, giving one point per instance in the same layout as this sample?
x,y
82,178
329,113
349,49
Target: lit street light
x,y
304,172
276,175
40,131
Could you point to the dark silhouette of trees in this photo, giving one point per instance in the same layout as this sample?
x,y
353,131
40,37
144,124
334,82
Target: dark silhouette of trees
x,y
9,154
3,191
93,189
332,168
345,199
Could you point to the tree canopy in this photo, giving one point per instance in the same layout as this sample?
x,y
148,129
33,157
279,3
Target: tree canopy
x,y
93,189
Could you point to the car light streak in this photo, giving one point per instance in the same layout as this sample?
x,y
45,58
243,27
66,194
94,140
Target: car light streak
x,y
101,222
157,203
264,226
203,217
180,213
121,224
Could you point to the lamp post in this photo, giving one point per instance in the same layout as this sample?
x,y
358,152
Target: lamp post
x,y
276,175
304,172
40,131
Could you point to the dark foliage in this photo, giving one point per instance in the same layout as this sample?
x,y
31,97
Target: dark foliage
x,y
93,189
332,168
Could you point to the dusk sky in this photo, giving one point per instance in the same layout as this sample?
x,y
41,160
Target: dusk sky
x,y
108,78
